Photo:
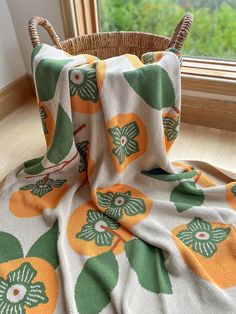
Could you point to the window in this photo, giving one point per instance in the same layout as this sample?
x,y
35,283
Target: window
x,y
213,31
209,67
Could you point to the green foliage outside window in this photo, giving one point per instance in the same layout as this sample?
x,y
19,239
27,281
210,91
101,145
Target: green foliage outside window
x,y
213,32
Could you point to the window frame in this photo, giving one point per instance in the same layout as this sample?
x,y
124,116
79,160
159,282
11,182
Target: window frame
x,y
207,84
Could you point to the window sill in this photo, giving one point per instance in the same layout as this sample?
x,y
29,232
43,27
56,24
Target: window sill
x,y
210,68
209,93
209,75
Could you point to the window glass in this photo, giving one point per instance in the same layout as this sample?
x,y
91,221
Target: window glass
x,y
213,32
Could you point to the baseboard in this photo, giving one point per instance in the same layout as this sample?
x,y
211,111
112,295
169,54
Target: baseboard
x,y
15,95
209,112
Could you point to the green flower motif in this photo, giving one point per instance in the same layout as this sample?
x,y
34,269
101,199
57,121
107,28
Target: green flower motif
x,y
234,189
43,117
98,228
148,57
43,186
203,239
119,203
123,139
83,81
171,128
18,291
82,149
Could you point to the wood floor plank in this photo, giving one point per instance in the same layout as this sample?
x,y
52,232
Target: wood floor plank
x,y
21,138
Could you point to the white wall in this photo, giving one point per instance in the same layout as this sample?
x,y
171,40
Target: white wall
x,y
11,62
22,10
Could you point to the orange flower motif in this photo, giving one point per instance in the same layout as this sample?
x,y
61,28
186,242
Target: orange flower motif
x,y
123,203
91,232
209,250
85,84
32,199
26,286
18,290
98,228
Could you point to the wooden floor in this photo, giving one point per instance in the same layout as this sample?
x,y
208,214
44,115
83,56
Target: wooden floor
x,y
21,138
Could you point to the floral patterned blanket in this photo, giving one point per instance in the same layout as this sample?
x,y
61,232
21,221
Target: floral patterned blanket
x,y
104,222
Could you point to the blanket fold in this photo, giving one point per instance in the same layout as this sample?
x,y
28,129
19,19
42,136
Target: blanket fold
x,y
104,222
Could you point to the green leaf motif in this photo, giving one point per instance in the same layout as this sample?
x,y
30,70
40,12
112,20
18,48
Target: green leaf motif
x,y
63,137
160,175
148,263
34,166
95,283
46,247
33,162
34,54
153,84
46,77
10,247
186,195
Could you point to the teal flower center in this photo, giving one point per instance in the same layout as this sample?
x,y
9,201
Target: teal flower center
x,y
100,226
202,235
123,140
119,201
77,77
16,293
42,185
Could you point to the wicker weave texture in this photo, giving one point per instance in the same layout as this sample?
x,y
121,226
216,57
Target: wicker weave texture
x,y
105,45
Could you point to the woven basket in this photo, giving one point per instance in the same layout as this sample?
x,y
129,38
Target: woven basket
x,y
110,44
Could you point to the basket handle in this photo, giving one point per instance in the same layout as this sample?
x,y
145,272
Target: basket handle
x,y
181,32
177,40
34,36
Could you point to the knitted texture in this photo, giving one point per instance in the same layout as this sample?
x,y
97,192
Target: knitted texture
x,y
104,222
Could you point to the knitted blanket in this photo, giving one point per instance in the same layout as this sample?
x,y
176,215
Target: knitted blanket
x,y
104,222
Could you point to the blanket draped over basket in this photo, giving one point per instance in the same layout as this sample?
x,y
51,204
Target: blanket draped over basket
x,y
105,222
